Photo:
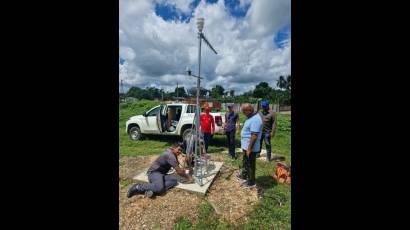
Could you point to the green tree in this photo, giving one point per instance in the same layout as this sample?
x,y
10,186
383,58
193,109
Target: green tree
x,y
248,94
168,95
181,92
153,93
134,92
217,91
284,94
192,91
281,82
288,83
203,92
262,90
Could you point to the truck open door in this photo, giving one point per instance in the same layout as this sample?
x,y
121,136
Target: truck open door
x,y
161,118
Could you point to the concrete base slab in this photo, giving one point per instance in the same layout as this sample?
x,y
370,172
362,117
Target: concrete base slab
x,y
194,187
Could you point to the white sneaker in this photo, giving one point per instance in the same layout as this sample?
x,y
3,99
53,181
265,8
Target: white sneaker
x,y
148,193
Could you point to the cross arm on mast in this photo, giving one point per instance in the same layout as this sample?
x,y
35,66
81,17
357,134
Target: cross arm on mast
x,y
207,42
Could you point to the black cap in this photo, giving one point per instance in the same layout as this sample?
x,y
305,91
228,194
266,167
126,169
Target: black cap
x,y
181,144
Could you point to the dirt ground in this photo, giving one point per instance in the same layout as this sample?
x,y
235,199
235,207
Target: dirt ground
x,y
229,201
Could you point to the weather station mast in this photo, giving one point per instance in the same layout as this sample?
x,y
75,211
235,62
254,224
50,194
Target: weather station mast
x,y
197,137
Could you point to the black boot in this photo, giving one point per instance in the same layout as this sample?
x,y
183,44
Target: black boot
x,y
277,158
135,189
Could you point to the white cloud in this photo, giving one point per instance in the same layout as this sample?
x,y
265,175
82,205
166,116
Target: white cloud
x,y
127,53
157,51
243,3
266,17
182,5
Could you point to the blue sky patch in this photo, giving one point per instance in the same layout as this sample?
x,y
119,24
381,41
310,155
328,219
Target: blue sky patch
x,y
169,12
234,9
122,61
282,36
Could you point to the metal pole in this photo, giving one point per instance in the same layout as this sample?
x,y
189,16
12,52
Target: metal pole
x,y
122,91
197,151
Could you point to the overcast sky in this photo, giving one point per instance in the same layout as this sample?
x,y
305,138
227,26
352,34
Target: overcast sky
x,y
158,40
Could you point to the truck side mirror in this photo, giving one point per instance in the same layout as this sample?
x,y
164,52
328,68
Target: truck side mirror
x,y
145,114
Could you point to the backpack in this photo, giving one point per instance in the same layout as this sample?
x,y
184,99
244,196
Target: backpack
x,y
282,174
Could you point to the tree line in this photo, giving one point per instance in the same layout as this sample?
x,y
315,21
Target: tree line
x,y
280,93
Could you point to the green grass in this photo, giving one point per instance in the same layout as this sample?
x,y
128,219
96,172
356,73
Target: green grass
x,y
207,219
273,211
182,223
125,182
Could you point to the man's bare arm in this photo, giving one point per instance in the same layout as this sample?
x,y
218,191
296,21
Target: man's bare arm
x,y
182,172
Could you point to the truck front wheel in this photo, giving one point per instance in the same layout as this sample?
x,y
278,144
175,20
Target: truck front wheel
x,y
186,133
135,133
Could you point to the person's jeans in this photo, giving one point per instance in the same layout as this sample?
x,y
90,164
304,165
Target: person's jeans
x,y
159,183
230,137
248,167
266,138
207,139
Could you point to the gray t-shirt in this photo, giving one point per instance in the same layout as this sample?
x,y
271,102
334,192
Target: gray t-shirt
x,y
164,162
267,118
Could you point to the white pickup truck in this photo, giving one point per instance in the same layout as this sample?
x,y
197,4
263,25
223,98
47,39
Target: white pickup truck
x,y
168,119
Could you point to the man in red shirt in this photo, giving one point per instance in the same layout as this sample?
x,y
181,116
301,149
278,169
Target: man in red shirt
x,y
207,126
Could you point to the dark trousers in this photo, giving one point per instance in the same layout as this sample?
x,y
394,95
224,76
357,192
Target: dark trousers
x,y
266,138
230,137
159,183
207,139
248,167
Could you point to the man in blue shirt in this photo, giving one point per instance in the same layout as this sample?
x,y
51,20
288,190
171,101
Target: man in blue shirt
x,y
250,143
230,127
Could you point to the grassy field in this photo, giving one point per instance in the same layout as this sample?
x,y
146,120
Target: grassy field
x,y
273,210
